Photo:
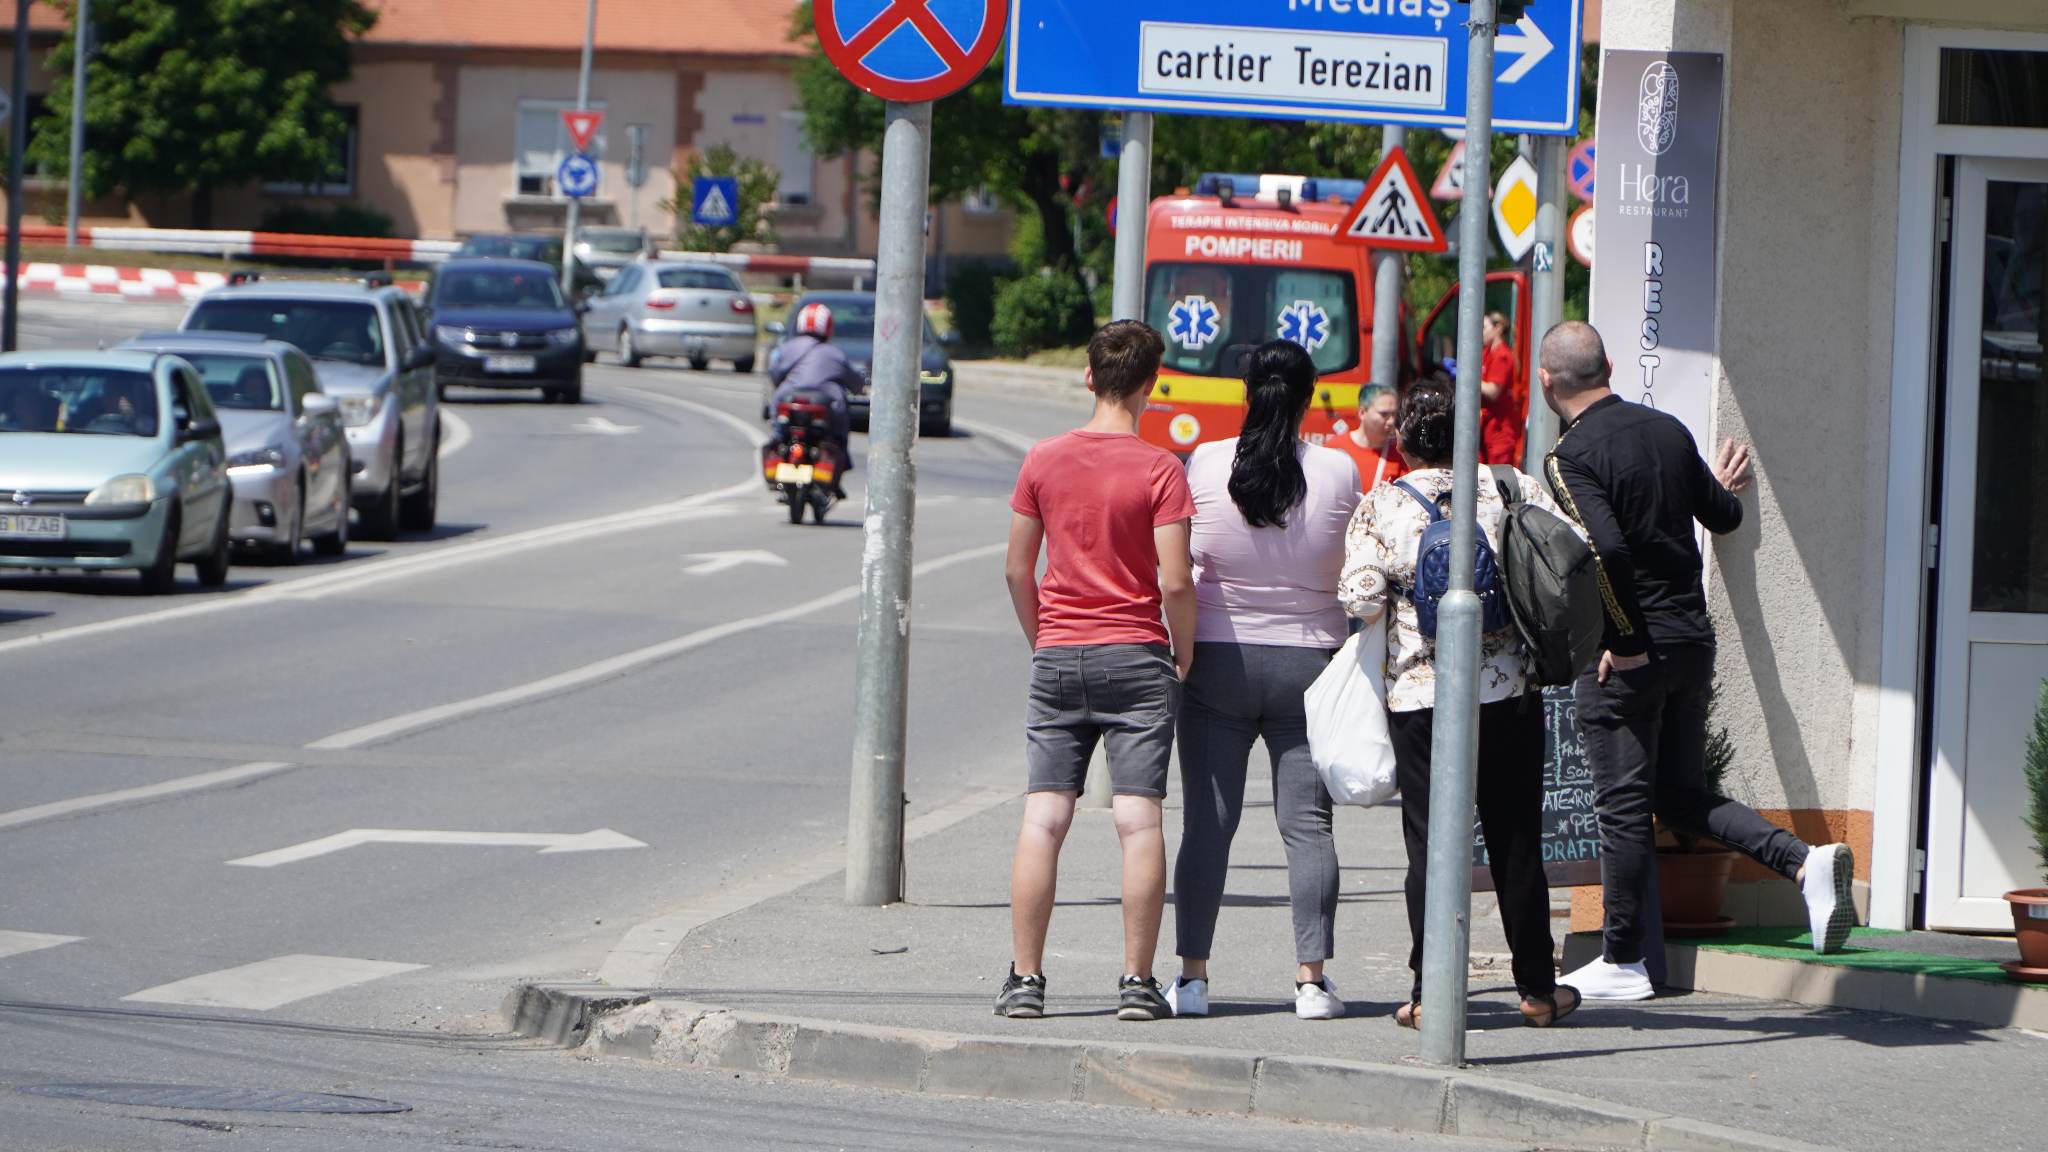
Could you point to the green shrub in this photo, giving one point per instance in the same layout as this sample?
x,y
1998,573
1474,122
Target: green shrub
x,y
1046,310
340,220
971,299
2037,781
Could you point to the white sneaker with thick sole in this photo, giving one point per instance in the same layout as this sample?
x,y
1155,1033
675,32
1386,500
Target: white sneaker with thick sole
x,y
1830,903
1189,997
1318,1001
1604,980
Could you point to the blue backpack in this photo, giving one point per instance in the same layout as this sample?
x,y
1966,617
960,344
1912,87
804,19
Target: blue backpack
x,y
1433,573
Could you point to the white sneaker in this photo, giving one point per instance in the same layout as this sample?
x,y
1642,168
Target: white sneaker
x,y
1830,905
1603,980
1318,1001
1189,997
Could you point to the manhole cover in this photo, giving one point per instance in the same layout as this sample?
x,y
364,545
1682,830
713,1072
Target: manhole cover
x,y
213,1099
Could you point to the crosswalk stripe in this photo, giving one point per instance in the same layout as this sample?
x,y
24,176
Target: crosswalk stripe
x,y
16,943
271,983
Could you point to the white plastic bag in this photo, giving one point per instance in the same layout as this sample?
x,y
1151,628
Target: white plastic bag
x,y
1347,721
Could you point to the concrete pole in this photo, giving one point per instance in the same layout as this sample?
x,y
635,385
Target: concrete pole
x,y
1546,289
1454,753
17,145
582,105
1134,211
81,41
1388,276
874,822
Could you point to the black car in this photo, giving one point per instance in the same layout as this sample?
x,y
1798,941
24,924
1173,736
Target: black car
x,y
505,324
853,331
543,247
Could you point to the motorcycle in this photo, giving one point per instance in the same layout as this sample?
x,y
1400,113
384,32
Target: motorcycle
x,y
802,463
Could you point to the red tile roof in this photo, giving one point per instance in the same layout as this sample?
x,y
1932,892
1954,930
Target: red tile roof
x,y
692,27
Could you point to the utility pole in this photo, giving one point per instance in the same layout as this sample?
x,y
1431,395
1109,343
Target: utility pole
x,y
1454,751
1388,276
17,120
81,48
1546,289
874,821
582,105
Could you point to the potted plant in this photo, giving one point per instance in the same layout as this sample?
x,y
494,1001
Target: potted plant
x,y
2030,905
1692,874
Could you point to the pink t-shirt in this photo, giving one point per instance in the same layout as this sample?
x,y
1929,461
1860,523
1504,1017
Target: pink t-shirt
x,y
1274,586
1100,495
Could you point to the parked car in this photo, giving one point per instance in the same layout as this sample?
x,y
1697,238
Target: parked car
x,y
111,460
287,451
544,247
505,324
608,250
853,330
371,352
668,308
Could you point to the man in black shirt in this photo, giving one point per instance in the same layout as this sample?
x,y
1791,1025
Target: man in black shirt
x,y
1633,478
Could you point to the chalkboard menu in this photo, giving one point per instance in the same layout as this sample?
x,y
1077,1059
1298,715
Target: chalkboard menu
x,y
1571,831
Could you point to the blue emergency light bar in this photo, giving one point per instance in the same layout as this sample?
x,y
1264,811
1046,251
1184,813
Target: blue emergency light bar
x,y
1248,186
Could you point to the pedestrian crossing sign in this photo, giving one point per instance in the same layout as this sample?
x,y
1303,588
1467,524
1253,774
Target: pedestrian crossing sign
x,y
1393,213
714,201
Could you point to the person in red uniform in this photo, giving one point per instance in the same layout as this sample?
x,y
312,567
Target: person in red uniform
x,y
1371,444
1504,395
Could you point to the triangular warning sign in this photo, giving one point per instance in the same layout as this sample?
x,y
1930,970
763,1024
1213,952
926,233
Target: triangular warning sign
x,y
1392,213
1450,182
582,127
714,209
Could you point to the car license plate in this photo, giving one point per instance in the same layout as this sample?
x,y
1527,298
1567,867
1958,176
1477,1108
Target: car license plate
x,y
508,363
793,474
16,526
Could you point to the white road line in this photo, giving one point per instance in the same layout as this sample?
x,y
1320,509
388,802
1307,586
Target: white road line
x,y
458,434
597,840
271,983
17,943
56,808
1015,441
616,665
641,955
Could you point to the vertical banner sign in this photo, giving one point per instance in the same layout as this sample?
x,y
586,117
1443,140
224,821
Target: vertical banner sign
x,y
1654,298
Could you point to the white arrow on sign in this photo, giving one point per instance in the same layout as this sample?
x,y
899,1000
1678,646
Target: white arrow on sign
x,y
1532,46
604,427
601,840
709,563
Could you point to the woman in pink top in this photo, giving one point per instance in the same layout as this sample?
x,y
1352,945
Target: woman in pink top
x,y
1268,544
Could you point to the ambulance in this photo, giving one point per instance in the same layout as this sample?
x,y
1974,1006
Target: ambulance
x,y
1247,258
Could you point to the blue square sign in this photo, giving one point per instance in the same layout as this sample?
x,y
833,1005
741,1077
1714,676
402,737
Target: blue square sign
x,y
715,201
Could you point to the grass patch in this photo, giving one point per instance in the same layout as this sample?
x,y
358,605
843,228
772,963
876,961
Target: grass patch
x,y
1866,949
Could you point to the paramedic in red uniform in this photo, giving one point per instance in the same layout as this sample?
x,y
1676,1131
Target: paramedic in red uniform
x,y
1504,411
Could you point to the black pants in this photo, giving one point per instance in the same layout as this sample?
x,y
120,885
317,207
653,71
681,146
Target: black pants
x,y
1646,743
1511,815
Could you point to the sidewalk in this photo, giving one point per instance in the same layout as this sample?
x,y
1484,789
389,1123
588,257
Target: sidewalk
x,y
1830,1077
1012,378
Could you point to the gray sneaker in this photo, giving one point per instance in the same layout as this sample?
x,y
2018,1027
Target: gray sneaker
x,y
1022,997
1140,998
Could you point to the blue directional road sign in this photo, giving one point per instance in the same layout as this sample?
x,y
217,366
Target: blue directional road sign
x,y
577,177
715,201
1381,61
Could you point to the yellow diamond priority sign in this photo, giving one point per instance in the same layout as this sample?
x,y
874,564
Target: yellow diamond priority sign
x,y
1514,208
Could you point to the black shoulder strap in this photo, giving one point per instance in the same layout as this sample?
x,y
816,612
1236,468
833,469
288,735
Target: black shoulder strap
x,y
1508,482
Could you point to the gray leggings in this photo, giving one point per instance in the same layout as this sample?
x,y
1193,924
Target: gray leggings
x,y
1238,693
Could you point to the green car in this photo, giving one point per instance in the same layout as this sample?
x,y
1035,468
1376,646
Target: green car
x,y
111,460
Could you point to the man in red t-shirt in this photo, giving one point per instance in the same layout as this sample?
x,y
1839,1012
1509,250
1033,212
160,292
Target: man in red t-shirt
x,y
1504,396
1111,513
1371,445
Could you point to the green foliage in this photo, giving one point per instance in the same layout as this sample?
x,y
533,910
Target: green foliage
x,y
1039,311
340,220
204,94
2037,781
1720,746
971,300
758,183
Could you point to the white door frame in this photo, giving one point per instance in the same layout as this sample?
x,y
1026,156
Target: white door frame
x,y
1895,820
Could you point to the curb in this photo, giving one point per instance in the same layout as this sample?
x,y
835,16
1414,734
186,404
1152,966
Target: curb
x,y
608,1021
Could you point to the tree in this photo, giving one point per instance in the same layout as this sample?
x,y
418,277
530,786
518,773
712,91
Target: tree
x,y
758,183
200,95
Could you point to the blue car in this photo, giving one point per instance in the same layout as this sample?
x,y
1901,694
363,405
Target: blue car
x,y
505,324
111,460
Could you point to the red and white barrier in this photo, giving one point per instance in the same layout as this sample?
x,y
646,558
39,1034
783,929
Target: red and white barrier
x,y
130,283
232,243
851,266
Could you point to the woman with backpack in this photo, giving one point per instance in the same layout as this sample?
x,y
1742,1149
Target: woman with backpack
x,y
1389,548
1268,545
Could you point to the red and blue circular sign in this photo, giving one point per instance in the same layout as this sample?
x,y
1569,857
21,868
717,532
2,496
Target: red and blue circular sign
x,y
910,50
1579,171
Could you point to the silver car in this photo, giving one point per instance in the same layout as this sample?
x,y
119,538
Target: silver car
x,y
373,355
287,453
669,308
608,250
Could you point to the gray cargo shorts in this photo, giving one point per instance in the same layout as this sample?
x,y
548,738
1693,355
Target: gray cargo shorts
x,y
1125,696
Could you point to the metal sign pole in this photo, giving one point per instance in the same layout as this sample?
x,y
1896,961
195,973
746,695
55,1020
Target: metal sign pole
x,y
81,46
582,105
1388,277
18,147
1454,752
874,824
1134,211
1546,290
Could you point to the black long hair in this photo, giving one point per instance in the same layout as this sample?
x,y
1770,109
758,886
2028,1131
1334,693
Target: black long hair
x,y
1266,480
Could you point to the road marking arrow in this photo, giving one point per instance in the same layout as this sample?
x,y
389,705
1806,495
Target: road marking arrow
x,y
1532,46
604,427
711,563
601,840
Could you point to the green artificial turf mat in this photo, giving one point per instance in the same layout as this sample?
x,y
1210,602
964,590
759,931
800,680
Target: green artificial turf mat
x,y
1866,949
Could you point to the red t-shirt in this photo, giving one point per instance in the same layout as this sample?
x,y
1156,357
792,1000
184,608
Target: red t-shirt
x,y
1387,466
1503,422
1100,495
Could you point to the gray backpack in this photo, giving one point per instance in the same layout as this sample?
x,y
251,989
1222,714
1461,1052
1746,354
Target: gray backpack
x,y
1553,585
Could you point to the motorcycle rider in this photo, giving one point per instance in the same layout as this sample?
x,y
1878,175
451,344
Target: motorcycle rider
x,y
809,362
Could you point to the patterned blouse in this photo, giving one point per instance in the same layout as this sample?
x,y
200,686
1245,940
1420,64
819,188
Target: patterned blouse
x,y
1379,568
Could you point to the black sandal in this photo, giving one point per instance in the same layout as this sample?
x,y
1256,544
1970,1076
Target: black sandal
x,y
1551,1013
1409,1015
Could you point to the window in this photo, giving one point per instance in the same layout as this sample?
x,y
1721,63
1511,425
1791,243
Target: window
x,y
498,288
100,402
624,283
242,383
340,179
793,162
299,372
347,331
1987,88
704,279
543,142
1205,309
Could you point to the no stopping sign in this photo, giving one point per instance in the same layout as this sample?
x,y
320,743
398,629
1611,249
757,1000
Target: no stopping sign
x,y
910,50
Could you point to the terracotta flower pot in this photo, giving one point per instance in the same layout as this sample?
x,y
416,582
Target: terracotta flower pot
x,y
2030,924
1691,886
